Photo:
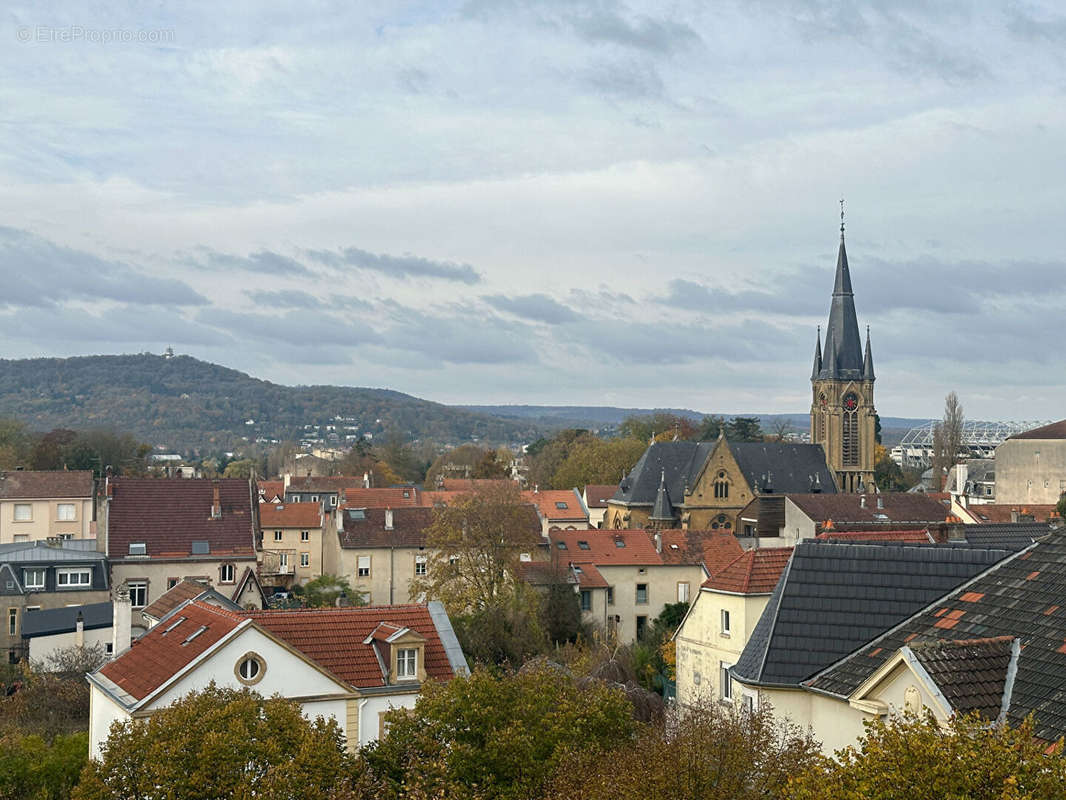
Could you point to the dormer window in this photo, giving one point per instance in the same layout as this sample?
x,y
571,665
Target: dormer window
x,y
407,664
561,545
582,544
561,506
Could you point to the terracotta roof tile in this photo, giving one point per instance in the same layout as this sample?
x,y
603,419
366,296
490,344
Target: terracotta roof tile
x,y
1004,512
173,597
169,514
290,515
752,572
844,509
31,484
365,527
918,536
714,549
271,489
558,505
588,577
597,495
1056,430
391,497
605,548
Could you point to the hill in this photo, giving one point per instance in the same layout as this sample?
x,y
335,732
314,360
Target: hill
x,y
185,403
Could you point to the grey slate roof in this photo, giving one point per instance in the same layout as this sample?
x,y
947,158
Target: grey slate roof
x,y
843,356
663,508
82,551
679,461
971,674
1021,596
1011,536
833,598
64,620
791,466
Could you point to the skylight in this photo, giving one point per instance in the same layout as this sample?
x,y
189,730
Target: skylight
x,y
561,504
619,542
583,544
194,634
561,545
173,625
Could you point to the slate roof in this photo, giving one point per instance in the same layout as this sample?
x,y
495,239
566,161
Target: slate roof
x,y
1056,430
847,509
680,461
971,674
752,572
842,357
182,592
64,620
1005,535
169,514
790,466
597,495
365,528
41,484
82,551
1021,596
836,597
290,515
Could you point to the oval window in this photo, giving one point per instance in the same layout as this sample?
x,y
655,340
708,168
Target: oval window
x,y
250,669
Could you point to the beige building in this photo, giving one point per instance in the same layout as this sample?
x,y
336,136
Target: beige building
x,y
291,549
720,622
1031,467
38,505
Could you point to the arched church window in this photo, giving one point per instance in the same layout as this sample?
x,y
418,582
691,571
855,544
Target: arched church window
x,y
721,485
850,439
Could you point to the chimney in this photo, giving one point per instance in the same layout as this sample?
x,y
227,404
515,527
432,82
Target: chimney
x,y
880,501
216,501
536,488
121,622
862,501
1014,515
366,480
79,630
285,480
388,519
658,542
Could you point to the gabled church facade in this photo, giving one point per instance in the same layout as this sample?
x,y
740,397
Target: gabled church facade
x,y
843,419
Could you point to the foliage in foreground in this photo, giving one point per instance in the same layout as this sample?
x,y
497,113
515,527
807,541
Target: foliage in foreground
x,y
491,736
220,743
712,753
30,767
912,757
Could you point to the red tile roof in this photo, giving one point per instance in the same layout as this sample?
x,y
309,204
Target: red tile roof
x,y
289,515
602,547
168,514
173,597
365,528
166,649
469,484
715,549
391,497
440,498
597,495
589,577
844,509
271,489
322,483
920,536
752,572
1004,512
558,505
333,638
41,484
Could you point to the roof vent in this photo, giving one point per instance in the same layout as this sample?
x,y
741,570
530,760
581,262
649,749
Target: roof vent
x,y
173,625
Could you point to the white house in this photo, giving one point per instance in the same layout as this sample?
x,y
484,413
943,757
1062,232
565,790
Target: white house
x,y
351,664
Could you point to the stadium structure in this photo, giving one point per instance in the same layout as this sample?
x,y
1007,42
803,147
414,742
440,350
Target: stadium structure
x,y
979,440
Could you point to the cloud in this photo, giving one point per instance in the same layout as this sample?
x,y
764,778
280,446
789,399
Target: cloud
x,y
264,262
303,329
128,328
288,298
39,272
535,307
458,335
658,36
405,266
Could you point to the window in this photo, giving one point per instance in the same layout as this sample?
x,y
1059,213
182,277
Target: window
x,y
283,561
642,593
583,545
726,690
586,600
721,486
74,577
561,506
420,565
725,622
850,439
171,583
305,536
610,595
226,573
250,669
33,578
642,627
277,536
66,537
333,500
23,512
364,567
407,663
65,512
138,593
682,592
314,498
22,537
619,542
12,621
561,545
138,549
305,559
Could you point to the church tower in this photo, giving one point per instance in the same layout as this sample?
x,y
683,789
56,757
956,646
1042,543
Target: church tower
x,y
843,419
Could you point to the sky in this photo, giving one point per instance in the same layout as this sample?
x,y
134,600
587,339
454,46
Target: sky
x,y
564,203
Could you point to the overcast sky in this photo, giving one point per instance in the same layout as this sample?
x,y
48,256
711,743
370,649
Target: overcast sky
x,y
498,201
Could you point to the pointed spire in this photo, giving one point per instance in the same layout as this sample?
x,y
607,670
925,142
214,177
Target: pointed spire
x,y
817,356
868,359
663,509
842,357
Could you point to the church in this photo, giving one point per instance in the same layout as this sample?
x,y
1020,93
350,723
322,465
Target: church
x,y
701,485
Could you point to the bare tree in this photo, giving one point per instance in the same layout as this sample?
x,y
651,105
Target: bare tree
x,y
947,440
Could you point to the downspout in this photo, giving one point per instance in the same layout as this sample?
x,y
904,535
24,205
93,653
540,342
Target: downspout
x,y
392,573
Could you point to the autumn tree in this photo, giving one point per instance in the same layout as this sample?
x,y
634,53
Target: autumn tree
x,y
662,426
241,468
598,461
546,455
326,590
911,756
34,767
496,737
711,752
888,476
14,443
220,743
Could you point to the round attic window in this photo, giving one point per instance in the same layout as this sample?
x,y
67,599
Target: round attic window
x,y
250,669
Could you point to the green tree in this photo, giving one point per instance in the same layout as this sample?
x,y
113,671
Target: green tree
x,y
912,756
240,469
599,461
325,590
1060,507
649,654
661,426
490,736
220,743
710,752
31,767
710,427
545,457
888,477
744,429
14,444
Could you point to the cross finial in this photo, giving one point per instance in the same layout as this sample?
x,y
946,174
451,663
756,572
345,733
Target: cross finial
x,y
841,216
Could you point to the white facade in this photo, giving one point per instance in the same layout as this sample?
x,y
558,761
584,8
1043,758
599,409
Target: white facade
x,y
41,647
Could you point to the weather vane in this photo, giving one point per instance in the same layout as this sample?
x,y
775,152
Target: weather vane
x,y
842,215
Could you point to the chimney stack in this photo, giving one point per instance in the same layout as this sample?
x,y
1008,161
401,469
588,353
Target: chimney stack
x,y
880,501
658,542
366,480
388,519
862,501
79,630
121,622
216,501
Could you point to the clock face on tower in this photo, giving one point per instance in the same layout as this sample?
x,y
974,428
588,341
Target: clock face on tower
x,y
851,401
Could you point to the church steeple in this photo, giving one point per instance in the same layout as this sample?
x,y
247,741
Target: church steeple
x,y
842,359
663,510
868,360
817,356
